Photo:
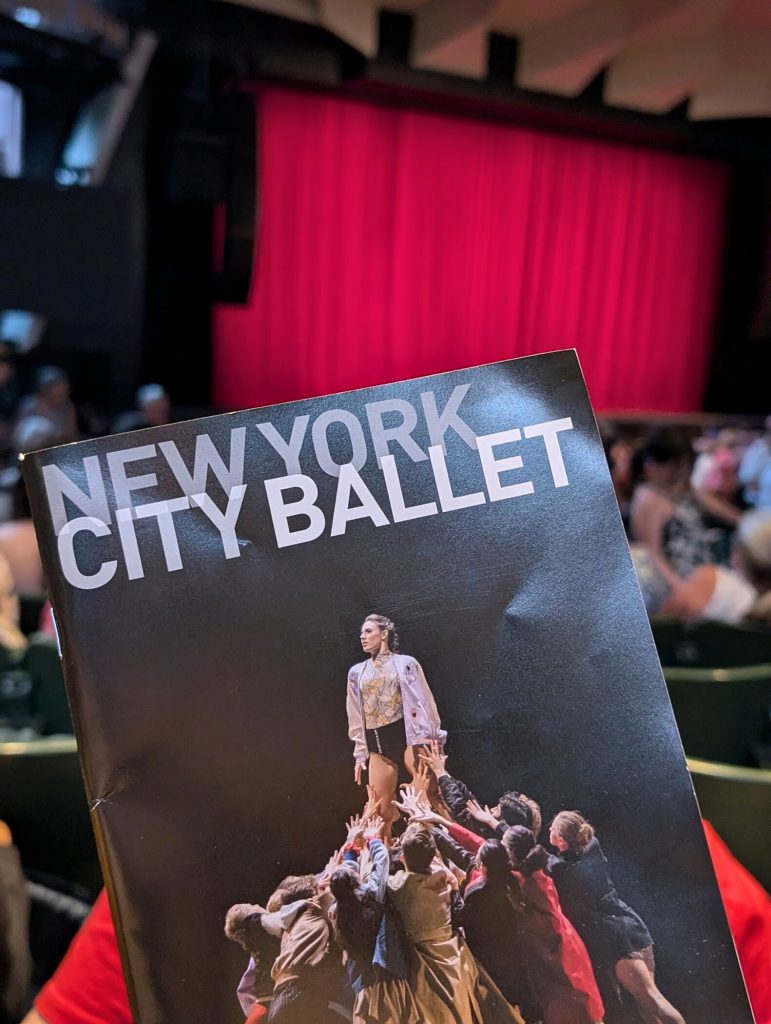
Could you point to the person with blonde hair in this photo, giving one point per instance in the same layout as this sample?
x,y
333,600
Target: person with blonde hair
x,y
616,937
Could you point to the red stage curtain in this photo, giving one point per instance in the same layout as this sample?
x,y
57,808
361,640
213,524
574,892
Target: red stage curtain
x,y
394,243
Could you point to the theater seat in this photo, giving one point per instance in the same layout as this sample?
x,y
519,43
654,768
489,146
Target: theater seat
x,y
44,666
710,644
43,801
723,714
30,609
737,802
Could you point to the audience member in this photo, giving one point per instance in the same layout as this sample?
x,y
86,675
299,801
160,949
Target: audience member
x,y
153,410
88,987
52,403
9,386
755,470
716,592
18,543
619,450
9,396
715,470
665,515
15,961
33,433
11,637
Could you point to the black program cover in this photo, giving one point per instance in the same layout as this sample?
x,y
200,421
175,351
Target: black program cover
x,y
215,584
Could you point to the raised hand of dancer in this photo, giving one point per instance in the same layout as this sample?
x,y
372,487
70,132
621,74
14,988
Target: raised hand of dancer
x,y
421,779
434,759
415,801
331,866
416,807
482,814
371,805
355,828
374,827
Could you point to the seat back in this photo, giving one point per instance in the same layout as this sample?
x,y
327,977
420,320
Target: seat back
x,y
30,610
43,800
737,802
723,714
45,668
710,644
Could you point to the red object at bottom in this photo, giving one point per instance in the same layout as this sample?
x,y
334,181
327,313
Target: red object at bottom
x,y
88,986
748,909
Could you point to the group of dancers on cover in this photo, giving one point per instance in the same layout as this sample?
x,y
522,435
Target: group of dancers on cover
x,y
464,918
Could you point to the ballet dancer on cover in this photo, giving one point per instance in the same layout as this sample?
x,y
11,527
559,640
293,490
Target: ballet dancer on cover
x,y
391,714
616,937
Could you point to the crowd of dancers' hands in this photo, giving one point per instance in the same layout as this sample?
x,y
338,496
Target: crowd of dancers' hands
x,y
475,897
434,759
415,804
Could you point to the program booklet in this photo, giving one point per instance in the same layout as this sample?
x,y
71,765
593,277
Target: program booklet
x,y
274,621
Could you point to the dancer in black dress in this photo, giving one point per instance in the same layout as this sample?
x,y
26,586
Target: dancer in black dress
x,y
614,934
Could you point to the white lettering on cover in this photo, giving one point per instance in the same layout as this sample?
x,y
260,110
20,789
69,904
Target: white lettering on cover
x,y
449,501
548,431
399,510
58,486
282,511
321,442
164,511
128,541
208,458
401,433
65,542
297,514
122,484
439,423
351,483
288,450
492,467
224,521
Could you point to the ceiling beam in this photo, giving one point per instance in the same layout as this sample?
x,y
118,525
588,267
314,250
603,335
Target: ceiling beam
x,y
742,87
655,78
298,10
451,36
563,55
353,21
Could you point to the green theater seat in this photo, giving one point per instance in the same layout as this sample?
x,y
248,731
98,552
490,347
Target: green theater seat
x,y
737,802
43,801
723,714
710,644
44,666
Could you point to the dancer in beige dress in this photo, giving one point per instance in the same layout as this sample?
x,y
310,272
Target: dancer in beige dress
x,y
449,987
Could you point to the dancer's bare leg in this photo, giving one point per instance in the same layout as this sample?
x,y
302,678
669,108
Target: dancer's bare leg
x,y
637,978
383,776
